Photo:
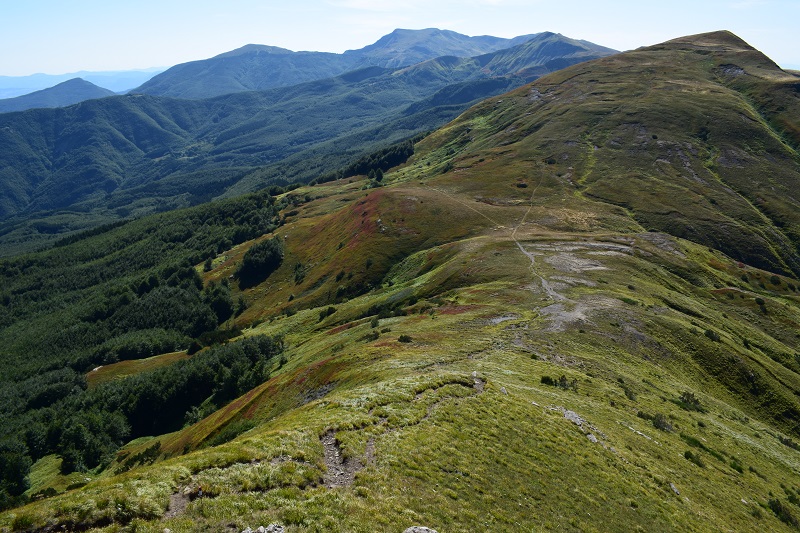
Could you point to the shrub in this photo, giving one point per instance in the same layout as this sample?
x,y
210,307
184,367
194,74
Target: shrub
x,y
629,393
694,458
547,380
690,402
404,338
782,512
325,313
661,422
260,261
713,335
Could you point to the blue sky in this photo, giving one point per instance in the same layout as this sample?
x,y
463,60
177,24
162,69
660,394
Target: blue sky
x,y
54,36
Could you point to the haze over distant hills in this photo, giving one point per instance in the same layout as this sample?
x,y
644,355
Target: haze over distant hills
x,y
258,67
127,156
116,81
64,94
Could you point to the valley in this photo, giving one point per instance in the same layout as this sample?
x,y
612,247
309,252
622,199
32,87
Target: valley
x,y
574,307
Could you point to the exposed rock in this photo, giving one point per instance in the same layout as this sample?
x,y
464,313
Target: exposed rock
x,y
591,437
573,417
340,471
419,529
478,383
674,489
504,391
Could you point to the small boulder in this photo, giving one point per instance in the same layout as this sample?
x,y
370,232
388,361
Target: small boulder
x,y
419,529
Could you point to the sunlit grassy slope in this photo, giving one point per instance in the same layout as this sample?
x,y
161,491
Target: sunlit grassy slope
x,y
629,224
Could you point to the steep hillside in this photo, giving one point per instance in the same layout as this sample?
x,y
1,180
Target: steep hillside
x,y
64,94
540,321
134,155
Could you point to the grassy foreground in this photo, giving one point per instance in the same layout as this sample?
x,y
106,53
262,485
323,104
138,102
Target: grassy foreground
x,y
491,342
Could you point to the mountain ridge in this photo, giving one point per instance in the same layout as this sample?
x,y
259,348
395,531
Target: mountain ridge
x,y
248,68
529,323
153,140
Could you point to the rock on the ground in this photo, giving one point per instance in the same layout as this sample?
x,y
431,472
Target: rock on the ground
x,y
573,417
419,529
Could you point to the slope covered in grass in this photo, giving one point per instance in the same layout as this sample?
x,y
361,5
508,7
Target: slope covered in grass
x,y
71,169
492,341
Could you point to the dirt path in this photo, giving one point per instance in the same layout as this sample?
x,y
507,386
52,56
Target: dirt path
x,y
548,289
340,472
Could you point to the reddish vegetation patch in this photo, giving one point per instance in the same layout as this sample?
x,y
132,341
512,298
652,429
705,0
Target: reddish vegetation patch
x,y
341,328
725,290
455,309
713,263
385,344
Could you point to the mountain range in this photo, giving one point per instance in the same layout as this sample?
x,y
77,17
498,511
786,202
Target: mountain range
x,y
259,67
117,81
573,307
67,169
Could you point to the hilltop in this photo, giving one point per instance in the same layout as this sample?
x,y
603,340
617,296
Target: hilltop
x,y
574,307
65,93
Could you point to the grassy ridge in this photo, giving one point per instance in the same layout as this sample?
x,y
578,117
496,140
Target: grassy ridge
x,y
492,341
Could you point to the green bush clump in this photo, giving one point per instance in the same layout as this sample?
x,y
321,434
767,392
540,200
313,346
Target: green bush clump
x,y
695,458
690,402
562,382
783,512
660,421
261,260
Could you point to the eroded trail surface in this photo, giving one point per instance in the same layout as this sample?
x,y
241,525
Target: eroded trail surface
x,y
340,471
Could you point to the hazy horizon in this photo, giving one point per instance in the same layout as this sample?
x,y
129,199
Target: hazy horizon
x,y
50,37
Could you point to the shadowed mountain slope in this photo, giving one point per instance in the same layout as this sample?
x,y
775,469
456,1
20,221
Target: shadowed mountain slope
x,y
137,154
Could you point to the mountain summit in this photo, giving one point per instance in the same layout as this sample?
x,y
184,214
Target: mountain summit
x,y
402,48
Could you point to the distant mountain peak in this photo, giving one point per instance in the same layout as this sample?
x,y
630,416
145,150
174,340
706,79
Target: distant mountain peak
x,y
255,48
